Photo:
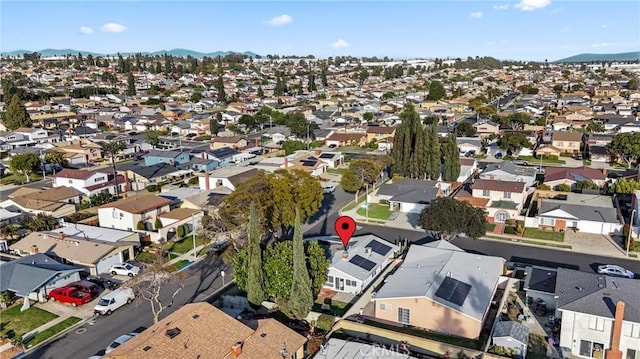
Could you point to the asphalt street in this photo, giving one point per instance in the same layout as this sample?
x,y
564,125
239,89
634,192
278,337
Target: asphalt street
x,y
201,279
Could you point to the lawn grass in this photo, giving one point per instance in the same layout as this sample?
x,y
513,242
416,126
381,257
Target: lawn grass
x,y
179,264
184,245
146,257
480,157
16,323
537,347
337,308
533,161
463,342
537,243
338,171
490,227
544,235
376,211
49,332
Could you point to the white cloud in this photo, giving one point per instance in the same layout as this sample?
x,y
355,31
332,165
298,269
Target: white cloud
x,y
86,30
340,44
280,20
531,5
113,27
476,14
501,7
602,44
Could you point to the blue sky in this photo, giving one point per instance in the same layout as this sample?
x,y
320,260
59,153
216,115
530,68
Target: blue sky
x,y
516,29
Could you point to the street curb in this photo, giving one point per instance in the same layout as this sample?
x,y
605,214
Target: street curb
x,y
219,290
56,336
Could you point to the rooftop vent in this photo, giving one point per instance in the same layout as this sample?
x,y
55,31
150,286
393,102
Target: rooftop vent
x,y
172,333
263,335
367,250
196,316
146,349
579,288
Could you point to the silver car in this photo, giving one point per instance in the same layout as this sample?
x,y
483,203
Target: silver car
x,y
614,270
119,341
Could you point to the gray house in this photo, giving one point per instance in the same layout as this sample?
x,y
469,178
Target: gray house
x,y
34,276
512,335
410,195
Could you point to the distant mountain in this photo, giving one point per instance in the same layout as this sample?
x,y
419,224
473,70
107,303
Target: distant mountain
x,y
625,56
174,52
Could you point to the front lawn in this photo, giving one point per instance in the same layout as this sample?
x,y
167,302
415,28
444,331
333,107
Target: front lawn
x,y
545,235
376,211
490,227
16,323
49,332
533,161
337,171
184,245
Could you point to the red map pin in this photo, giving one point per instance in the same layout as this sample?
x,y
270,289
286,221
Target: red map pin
x,y
345,227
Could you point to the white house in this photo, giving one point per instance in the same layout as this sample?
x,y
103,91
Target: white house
x,y
505,198
228,177
88,182
351,271
468,167
173,219
126,213
410,195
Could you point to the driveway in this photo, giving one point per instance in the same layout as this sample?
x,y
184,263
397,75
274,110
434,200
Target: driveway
x,y
593,243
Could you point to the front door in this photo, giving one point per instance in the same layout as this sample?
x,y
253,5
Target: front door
x,y
501,216
339,283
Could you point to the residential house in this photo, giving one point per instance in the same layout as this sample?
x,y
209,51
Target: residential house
x,y
469,144
606,91
172,158
456,289
486,128
588,213
410,195
186,333
540,286
80,153
505,198
133,213
308,161
511,335
555,176
509,171
175,218
87,182
32,277
223,156
352,270
227,177
234,142
24,137
532,136
278,134
380,133
338,139
139,177
93,255
57,202
468,168
599,315
599,154
332,159
568,142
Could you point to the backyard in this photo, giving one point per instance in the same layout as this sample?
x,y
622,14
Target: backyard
x,y
14,323
376,211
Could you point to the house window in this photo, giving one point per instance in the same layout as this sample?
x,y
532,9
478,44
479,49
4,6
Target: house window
x,y
404,316
486,193
70,181
631,330
330,280
385,307
633,354
596,323
547,221
591,349
114,215
507,195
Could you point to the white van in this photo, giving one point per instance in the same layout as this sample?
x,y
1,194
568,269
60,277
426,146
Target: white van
x,y
114,300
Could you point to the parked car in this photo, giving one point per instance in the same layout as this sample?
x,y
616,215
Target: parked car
x,y
217,248
114,300
614,270
119,341
520,162
328,188
70,295
470,153
87,287
101,282
124,269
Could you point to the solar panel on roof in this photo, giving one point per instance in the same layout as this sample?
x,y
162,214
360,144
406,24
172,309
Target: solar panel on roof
x,y
453,290
326,155
362,262
377,247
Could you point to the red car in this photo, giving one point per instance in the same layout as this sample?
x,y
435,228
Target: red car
x,y
70,295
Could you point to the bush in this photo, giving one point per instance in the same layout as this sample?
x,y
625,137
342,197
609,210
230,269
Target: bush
x,y
140,226
180,231
193,180
544,187
563,187
325,322
384,201
157,224
153,188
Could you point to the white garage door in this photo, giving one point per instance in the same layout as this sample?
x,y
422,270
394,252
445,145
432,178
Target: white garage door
x,y
106,263
592,227
411,207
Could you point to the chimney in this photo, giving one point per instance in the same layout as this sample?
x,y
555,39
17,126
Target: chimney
x,y
257,142
614,351
317,152
345,255
236,349
34,249
539,202
286,163
60,235
206,181
202,155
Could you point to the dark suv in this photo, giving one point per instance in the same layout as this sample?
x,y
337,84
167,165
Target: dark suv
x,y
86,287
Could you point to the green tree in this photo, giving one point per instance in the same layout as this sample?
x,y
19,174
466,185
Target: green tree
x,y
433,153
41,222
563,187
586,184
451,156
158,224
24,163
512,142
410,146
240,268
360,172
196,97
16,115
260,92
152,138
436,91
301,296
318,265
350,182
465,129
450,217
131,84
278,269
112,149
255,281
291,146
219,85
624,186
214,123
367,116
55,158
626,146
595,127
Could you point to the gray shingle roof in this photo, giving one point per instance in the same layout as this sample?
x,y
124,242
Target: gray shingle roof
x,y
596,294
514,330
27,274
581,212
425,268
357,247
541,279
410,191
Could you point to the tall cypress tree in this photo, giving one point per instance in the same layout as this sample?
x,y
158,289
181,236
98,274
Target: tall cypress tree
x,y
16,115
434,159
301,296
451,159
255,281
